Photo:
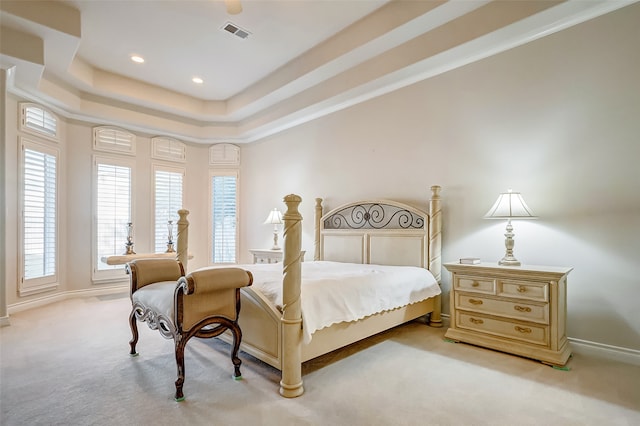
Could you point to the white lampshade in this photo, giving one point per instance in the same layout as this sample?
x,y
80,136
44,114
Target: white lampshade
x,y
510,205
274,218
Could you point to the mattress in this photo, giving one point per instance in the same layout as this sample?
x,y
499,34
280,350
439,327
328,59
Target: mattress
x,y
334,292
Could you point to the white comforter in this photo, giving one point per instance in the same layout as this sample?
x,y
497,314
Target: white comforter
x,y
334,292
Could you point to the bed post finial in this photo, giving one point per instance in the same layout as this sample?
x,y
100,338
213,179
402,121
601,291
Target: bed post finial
x,y
435,250
183,238
291,383
435,191
316,255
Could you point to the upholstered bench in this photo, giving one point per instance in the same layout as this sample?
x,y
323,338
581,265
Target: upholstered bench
x,y
204,303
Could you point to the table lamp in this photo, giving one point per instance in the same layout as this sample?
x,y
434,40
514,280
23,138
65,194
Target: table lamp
x,y
275,219
510,205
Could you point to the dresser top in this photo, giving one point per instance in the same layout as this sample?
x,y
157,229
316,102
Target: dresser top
x,y
500,268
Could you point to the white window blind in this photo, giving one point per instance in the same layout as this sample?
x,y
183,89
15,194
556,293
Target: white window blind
x,y
113,211
224,218
224,155
168,149
168,200
39,224
112,139
38,120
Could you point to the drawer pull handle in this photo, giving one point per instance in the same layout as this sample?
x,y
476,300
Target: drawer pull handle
x,y
523,329
476,321
522,308
522,289
475,284
475,302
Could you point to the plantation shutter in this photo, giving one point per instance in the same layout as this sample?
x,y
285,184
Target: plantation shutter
x,y
168,149
224,155
111,139
113,209
168,199
39,215
38,242
224,218
39,120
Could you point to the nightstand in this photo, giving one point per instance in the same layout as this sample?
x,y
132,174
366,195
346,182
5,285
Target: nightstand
x,y
269,255
516,309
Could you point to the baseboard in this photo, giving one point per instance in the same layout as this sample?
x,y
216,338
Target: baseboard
x,y
45,300
586,347
614,353
446,320
4,321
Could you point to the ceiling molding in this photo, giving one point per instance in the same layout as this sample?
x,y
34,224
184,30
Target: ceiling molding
x,y
399,44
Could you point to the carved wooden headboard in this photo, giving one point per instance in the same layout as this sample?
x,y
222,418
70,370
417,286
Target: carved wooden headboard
x,y
381,232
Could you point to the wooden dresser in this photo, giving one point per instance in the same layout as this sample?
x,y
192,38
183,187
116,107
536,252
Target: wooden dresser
x,y
516,309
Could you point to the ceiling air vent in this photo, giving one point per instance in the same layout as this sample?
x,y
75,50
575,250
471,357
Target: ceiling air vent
x,y
235,30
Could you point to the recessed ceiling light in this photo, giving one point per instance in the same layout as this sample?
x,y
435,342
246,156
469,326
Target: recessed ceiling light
x,y
197,80
137,59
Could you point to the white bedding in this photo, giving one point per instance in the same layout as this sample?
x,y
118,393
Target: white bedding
x,y
334,292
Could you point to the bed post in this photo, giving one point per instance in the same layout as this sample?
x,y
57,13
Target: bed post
x,y
316,255
435,250
291,383
183,238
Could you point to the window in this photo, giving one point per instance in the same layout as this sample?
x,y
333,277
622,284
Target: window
x,y
39,222
113,212
224,216
224,155
37,120
112,139
168,149
168,200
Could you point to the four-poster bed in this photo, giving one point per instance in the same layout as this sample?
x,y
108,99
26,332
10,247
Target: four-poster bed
x,y
376,232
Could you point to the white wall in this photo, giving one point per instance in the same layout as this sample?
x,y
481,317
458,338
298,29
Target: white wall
x,y
557,119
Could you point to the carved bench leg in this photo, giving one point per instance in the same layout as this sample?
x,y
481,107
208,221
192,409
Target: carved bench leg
x,y
134,331
180,345
237,338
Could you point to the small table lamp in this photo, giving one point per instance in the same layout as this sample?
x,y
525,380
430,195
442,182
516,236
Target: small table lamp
x,y
510,205
275,219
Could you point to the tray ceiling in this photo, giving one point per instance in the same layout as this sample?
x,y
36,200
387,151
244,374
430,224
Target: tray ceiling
x,y
298,60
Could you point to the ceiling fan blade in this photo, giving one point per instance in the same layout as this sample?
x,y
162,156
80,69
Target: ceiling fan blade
x,y
233,6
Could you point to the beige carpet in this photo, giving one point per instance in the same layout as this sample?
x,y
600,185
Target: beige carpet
x,y
67,364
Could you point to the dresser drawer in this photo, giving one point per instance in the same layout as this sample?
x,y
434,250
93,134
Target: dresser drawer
x,y
475,284
504,308
530,290
530,333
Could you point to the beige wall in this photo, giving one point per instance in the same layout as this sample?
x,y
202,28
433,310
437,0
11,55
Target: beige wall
x,y
556,119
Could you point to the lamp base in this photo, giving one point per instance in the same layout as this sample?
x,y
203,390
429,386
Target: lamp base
x,y
509,261
275,238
